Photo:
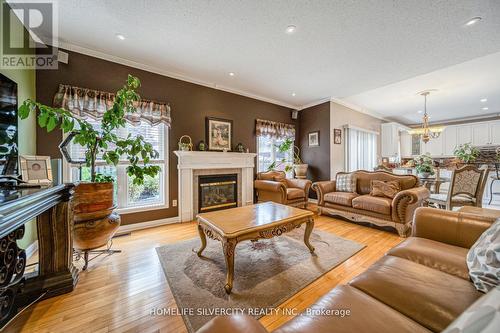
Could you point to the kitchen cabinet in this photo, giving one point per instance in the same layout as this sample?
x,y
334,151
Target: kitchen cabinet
x,y
494,133
464,134
390,139
480,134
449,135
406,144
434,147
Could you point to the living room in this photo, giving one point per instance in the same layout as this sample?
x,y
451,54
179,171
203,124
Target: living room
x,y
252,166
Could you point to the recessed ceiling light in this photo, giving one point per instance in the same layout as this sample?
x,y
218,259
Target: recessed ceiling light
x,y
473,21
483,100
485,108
420,111
120,36
290,29
293,94
231,74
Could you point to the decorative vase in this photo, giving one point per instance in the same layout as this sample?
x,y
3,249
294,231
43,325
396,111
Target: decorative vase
x,y
424,174
300,170
94,221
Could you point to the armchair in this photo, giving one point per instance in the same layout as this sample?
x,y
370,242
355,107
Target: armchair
x,y
274,186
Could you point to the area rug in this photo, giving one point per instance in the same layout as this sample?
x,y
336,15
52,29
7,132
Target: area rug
x,y
266,273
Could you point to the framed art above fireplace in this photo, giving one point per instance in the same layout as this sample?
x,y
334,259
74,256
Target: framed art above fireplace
x,y
219,134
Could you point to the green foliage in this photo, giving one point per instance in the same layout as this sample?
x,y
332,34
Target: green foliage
x,y
285,147
423,164
135,149
466,153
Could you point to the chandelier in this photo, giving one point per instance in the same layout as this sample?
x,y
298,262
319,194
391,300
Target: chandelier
x,y
427,132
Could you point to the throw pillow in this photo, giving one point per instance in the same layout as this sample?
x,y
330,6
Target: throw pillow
x,y
482,316
387,189
345,182
483,259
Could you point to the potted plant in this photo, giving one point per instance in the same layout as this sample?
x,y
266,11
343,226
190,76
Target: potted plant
x,y
94,200
299,168
424,166
466,153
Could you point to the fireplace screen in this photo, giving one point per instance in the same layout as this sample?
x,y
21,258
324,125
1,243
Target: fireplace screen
x,y
217,192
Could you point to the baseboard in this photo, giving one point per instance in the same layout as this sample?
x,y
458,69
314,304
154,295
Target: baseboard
x,y
31,249
145,225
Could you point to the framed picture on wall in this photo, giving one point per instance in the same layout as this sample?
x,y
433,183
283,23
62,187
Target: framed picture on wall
x,y
337,136
313,139
219,133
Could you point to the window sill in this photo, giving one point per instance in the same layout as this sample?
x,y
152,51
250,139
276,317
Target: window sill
x,y
139,209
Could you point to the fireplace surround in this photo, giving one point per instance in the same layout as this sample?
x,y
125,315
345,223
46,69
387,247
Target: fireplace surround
x,y
193,164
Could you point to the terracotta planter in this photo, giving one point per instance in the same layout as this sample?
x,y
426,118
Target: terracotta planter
x,y
94,220
300,170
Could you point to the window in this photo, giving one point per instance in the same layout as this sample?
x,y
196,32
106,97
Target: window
x,y
361,149
128,196
268,152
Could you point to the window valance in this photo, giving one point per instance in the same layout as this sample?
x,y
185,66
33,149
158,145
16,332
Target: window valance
x,y
83,103
274,129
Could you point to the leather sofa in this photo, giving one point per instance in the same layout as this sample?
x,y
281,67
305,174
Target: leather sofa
x,y
360,206
421,285
274,186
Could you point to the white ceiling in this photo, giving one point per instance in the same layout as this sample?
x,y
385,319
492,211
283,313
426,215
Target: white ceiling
x,y
340,48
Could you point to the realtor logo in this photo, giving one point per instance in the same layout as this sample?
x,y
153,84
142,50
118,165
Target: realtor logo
x,y
29,35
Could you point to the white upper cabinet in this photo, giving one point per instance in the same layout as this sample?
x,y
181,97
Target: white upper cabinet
x,y
494,132
480,134
434,147
405,140
464,134
391,139
449,140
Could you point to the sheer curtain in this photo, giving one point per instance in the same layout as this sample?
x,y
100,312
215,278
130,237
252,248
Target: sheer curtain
x,y
361,149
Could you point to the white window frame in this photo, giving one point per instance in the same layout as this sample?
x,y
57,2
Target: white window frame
x,y
122,181
273,156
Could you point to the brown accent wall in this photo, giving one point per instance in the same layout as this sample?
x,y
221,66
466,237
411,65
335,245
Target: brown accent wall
x,y
190,103
316,118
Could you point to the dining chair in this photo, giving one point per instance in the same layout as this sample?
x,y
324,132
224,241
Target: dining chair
x,y
466,189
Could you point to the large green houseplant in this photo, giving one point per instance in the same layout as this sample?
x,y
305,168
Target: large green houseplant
x,y
102,141
466,153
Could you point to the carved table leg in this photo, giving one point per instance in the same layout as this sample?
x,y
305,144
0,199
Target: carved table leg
x,y
307,234
228,246
203,239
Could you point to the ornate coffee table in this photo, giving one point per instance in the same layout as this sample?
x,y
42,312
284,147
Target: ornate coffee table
x,y
264,220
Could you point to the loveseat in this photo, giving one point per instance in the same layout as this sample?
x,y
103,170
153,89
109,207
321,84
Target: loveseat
x,y
421,285
360,206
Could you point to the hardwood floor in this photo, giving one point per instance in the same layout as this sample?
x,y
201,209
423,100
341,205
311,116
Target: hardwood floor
x,y
117,293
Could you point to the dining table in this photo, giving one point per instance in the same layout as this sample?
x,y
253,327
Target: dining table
x,y
433,184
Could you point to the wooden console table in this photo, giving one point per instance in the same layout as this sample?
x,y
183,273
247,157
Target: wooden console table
x,y
56,273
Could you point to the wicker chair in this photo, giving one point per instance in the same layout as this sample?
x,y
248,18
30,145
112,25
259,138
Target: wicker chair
x,y
466,189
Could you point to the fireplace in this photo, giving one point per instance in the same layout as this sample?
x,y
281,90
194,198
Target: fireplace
x,y
217,192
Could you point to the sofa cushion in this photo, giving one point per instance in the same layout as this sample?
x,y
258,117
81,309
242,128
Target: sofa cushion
x,y
444,257
340,198
366,314
428,296
364,180
294,193
373,204
345,182
483,259
387,189
481,317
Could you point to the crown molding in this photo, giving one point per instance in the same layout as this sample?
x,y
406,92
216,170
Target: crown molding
x,y
309,105
358,108
485,117
156,70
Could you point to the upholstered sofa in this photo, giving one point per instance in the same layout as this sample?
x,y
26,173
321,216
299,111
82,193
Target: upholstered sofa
x,y
274,186
421,285
360,206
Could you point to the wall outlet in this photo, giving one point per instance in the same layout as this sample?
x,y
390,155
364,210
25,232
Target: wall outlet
x,y
174,203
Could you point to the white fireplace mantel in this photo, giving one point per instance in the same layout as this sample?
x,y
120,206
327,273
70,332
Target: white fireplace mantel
x,y
189,161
